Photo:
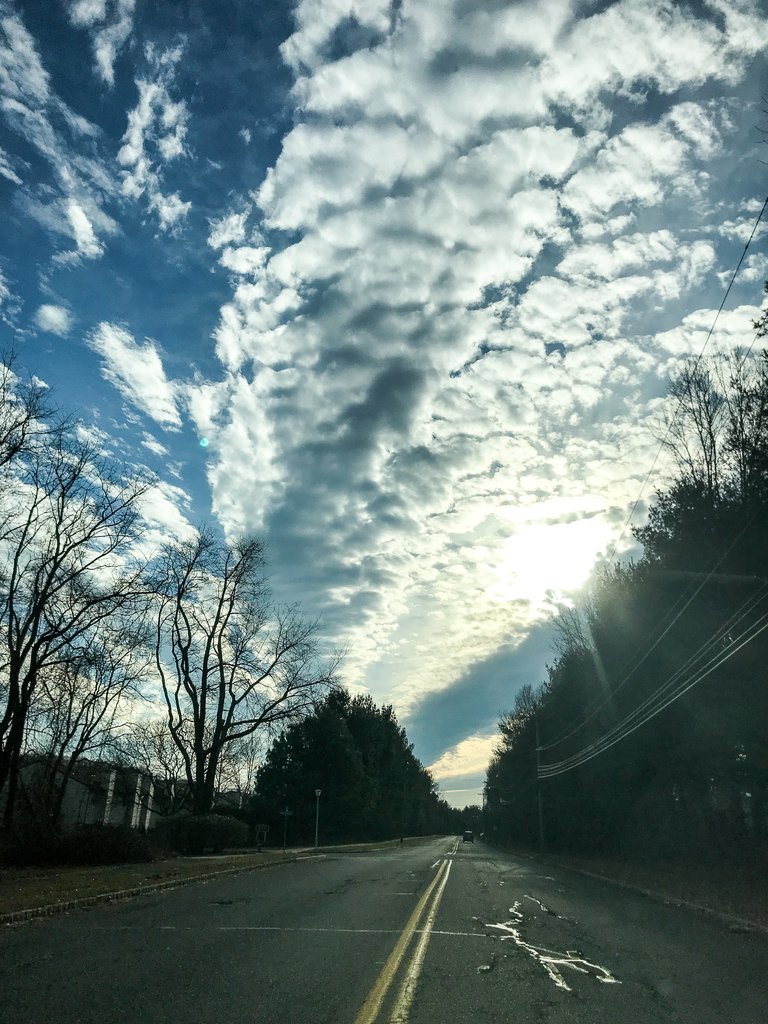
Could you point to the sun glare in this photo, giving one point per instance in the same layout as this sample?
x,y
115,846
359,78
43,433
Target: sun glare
x,y
546,561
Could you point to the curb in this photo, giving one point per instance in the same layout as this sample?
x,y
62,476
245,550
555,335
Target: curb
x,y
52,909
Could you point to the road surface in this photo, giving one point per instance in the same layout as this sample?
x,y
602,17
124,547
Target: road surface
x,y
439,932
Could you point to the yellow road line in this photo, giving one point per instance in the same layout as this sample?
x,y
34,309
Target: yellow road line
x,y
369,1011
408,987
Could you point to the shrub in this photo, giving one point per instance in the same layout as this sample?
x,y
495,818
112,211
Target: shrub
x,y
82,844
104,844
194,833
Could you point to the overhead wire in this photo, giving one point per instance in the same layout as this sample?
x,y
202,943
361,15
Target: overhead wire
x,y
661,698
723,632
679,406
548,770
650,649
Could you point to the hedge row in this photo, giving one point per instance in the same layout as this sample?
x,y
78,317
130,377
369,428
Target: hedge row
x,y
111,844
84,844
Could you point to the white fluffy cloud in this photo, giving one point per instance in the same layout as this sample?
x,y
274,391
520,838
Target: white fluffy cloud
x,y
446,379
468,757
137,371
73,208
153,445
84,13
165,511
157,128
448,339
56,319
110,23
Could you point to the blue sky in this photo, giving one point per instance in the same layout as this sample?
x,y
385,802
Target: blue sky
x,y
417,271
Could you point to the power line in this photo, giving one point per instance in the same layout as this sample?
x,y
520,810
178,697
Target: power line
x,y
722,633
609,697
585,719
679,406
551,773
661,698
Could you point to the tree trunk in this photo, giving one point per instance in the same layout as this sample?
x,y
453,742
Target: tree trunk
x,y
12,757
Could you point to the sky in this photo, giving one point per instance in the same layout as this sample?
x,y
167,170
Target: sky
x,y
396,286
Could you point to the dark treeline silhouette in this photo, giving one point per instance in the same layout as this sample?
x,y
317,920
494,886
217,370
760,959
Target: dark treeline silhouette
x,y
372,786
652,722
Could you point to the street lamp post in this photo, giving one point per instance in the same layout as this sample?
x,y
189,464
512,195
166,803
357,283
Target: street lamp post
x,y
285,814
317,813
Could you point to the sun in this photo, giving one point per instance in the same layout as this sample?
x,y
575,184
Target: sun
x,y
548,560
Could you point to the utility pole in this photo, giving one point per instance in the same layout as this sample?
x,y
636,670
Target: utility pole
x,y
317,813
538,785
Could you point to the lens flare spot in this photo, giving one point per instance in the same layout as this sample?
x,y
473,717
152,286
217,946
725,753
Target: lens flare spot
x,y
203,442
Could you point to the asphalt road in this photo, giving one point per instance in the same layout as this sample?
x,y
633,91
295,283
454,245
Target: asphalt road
x,y
428,934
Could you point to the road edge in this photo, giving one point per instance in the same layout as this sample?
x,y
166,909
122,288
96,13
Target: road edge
x,y
12,917
52,909
668,899
654,894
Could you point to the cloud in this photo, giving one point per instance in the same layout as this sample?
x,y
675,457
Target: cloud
x,y
157,128
55,319
74,205
85,13
82,231
136,370
110,23
153,445
227,230
164,509
22,75
468,757
6,169
456,295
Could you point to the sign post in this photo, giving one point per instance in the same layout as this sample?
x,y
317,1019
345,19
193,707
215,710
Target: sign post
x,y
317,813
285,815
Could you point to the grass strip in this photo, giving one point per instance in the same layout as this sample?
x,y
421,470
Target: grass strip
x,y
27,888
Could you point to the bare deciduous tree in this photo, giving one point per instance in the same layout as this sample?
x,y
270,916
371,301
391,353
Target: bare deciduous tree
x,y
80,708
745,386
694,427
147,744
69,522
230,662
23,411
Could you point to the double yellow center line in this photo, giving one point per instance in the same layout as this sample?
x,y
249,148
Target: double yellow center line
x,y
425,909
